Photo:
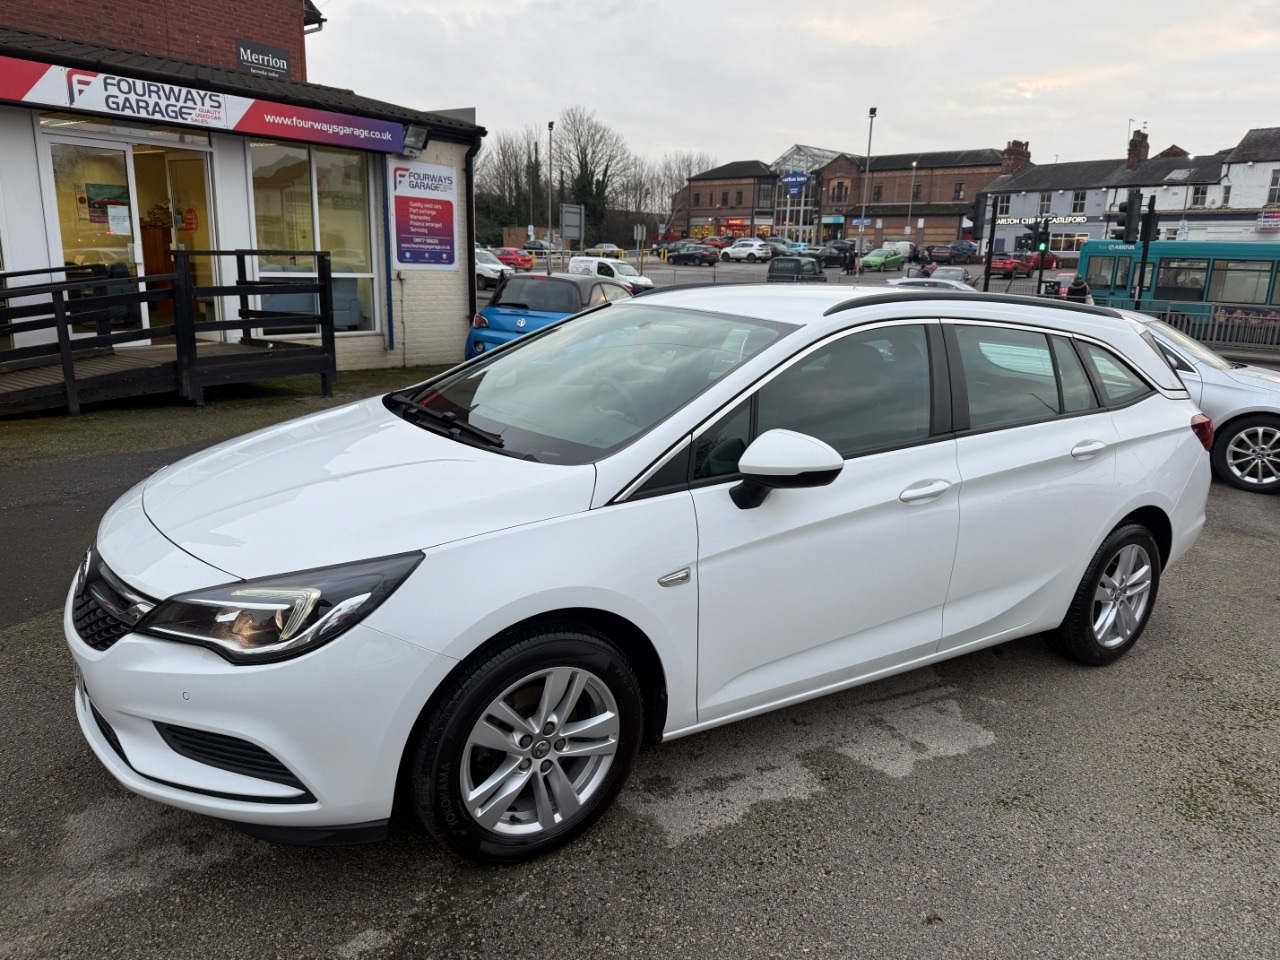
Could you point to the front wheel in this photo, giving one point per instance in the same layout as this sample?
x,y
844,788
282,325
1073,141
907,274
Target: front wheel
x,y
724,257
524,751
1247,454
1114,600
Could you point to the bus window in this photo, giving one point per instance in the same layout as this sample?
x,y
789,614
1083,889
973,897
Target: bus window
x,y
1122,273
1100,270
1240,281
1181,279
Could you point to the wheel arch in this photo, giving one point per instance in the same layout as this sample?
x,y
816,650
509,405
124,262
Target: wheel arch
x,y
1158,522
634,642
1220,429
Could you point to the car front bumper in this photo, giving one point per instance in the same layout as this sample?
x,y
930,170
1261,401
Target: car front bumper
x,y
338,719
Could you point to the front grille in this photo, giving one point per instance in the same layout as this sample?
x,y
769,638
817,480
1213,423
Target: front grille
x,y
108,733
227,753
105,608
96,626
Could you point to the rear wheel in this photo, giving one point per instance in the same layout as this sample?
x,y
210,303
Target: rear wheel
x,y
1114,600
1247,454
525,750
751,258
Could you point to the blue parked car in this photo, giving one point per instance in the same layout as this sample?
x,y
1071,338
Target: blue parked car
x,y
528,302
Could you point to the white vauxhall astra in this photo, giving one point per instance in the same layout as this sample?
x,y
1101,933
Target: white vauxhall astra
x,y
656,517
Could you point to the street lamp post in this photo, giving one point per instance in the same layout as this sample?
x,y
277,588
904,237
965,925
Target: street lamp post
x,y
550,126
912,195
866,175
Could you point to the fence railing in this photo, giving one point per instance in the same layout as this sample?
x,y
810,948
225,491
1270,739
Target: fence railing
x,y
92,312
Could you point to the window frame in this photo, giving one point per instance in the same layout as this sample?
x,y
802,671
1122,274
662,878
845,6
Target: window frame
x,y
960,389
372,173
958,190
1273,193
1046,201
1078,198
647,483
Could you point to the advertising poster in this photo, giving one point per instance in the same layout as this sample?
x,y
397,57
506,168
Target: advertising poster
x,y
424,202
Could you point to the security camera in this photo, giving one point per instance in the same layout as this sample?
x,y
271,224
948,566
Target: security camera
x,y
411,153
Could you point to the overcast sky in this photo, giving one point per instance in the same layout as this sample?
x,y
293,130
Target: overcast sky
x,y
745,79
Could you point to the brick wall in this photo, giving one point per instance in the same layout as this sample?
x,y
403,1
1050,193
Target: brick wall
x,y
196,30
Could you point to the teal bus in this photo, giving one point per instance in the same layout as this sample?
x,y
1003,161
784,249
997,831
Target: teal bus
x,y
1218,291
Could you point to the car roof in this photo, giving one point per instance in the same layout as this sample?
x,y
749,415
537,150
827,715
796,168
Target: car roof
x,y
581,279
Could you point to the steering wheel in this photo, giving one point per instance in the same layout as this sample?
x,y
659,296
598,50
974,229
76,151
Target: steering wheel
x,y
610,396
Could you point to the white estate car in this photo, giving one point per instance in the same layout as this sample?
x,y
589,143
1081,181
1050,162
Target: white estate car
x,y
1242,400
747,249
656,517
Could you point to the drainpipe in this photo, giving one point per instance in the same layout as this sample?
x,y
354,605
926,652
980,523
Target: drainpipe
x,y
386,256
471,225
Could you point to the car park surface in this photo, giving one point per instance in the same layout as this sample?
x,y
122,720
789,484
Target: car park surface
x,y
517,720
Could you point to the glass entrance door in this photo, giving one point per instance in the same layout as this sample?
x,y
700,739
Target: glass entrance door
x,y
97,219
174,209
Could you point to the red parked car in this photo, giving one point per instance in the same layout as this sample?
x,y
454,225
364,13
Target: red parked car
x,y
513,257
1010,265
1051,260
718,242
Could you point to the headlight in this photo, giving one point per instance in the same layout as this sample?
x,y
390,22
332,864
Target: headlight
x,y
260,621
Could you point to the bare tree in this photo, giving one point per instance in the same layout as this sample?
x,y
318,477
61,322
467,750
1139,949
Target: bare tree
x,y
593,159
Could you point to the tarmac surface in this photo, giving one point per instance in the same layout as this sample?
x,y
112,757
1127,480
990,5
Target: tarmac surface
x,y
1006,804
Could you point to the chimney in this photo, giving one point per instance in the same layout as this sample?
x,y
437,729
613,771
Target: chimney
x,y
1015,156
1139,149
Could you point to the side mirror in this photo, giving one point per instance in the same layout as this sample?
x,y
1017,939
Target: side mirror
x,y
783,459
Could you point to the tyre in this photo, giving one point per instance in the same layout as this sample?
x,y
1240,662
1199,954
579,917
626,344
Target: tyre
x,y
1115,598
751,258
1247,454
522,752
724,257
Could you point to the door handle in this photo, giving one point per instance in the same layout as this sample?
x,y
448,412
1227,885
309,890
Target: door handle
x,y
1087,448
924,491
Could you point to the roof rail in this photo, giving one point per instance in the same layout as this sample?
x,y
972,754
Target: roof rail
x,y
932,294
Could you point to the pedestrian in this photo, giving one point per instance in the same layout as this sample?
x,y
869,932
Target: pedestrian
x,y
1078,291
846,260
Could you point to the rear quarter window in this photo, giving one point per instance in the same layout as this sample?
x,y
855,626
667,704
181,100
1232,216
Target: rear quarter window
x,y
1118,381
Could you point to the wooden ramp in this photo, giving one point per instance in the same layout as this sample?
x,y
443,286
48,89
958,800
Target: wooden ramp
x,y
116,358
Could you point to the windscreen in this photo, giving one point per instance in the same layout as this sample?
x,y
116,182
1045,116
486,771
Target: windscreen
x,y
580,390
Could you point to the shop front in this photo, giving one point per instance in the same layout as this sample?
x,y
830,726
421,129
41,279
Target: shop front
x,y
110,173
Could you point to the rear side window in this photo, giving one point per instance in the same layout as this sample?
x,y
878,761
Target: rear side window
x,y
1009,375
1118,382
1077,392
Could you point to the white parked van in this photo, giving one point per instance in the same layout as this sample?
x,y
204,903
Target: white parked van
x,y
618,270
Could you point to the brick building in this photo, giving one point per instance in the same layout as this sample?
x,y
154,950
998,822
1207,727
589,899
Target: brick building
x,y
735,199
129,130
921,197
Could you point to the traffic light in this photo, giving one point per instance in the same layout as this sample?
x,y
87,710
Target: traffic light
x,y
977,214
1042,240
1128,213
1150,222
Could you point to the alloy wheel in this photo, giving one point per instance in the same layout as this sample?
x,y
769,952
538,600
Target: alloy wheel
x,y
1253,456
1121,597
539,751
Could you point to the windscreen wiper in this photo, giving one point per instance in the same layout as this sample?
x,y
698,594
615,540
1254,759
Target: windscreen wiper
x,y
442,422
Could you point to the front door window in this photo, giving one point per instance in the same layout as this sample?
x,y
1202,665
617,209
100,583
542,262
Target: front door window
x,y
96,218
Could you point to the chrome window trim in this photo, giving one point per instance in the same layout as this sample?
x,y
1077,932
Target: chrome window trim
x,y
708,422
1170,393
